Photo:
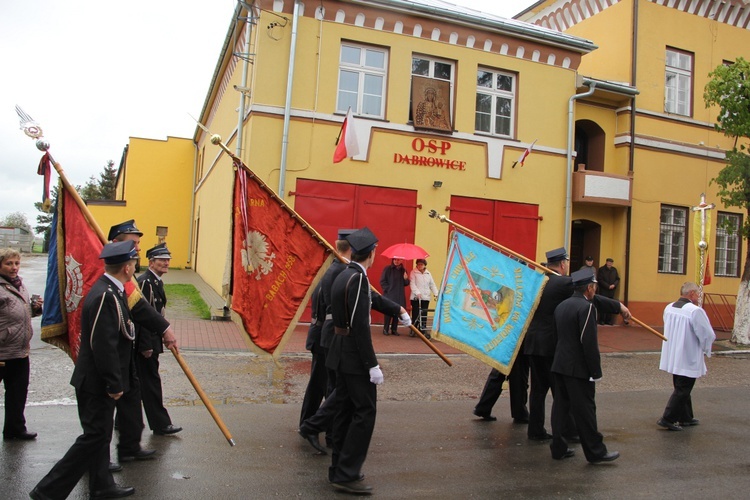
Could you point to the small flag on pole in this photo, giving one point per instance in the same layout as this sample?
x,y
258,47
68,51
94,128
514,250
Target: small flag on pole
x,y
521,159
347,145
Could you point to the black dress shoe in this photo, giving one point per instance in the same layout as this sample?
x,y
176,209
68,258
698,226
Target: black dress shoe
x,y
35,494
568,453
22,436
314,442
386,332
355,487
691,422
668,425
609,457
138,455
485,416
170,429
521,420
541,437
394,333
114,491
114,467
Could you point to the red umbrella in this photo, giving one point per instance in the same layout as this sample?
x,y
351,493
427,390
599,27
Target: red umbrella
x,y
405,251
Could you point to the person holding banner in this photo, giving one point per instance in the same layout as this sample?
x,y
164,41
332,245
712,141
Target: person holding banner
x,y
102,374
576,369
353,357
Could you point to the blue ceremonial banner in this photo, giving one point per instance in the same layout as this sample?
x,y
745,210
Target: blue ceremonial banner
x,y
486,302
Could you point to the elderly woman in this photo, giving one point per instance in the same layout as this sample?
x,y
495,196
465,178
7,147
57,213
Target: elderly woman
x,y
422,288
16,311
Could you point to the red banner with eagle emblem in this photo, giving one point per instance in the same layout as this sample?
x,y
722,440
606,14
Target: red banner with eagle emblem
x,y
73,266
276,260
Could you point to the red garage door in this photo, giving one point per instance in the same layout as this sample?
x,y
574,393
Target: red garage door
x,y
513,225
390,213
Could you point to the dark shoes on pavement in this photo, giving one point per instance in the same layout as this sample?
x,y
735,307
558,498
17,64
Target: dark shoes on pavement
x,y
114,467
166,431
138,455
357,487
541,437
313,440
22,436
114,491
691,422
608,457
568,453
484,416
668,425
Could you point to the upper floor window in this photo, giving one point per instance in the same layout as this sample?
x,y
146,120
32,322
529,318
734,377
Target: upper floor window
x,y
362,76
678,86
728,245
431,93
496,102
672,241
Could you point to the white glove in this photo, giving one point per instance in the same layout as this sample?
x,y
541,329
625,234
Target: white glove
x,y
404,319
592,379
376,375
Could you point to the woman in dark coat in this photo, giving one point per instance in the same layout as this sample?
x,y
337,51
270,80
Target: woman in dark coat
x,y
393,280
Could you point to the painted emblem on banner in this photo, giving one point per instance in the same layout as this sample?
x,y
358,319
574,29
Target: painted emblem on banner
x,y
73,283
496,301
255,255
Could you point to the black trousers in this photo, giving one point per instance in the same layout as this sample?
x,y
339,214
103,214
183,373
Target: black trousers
x,y
353,425
151,391
15,377
576,396
542,383
316,386
419,313
680,405
390,323
89,453
130,420
518,384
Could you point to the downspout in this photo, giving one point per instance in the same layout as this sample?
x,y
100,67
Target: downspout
x,y
631,156
569,165
192,205
243,86
288,104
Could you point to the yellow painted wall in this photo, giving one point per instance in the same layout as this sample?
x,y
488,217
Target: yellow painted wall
x,y
158,179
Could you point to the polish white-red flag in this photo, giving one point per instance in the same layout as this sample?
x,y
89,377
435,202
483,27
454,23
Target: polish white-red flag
x,y
347,145
523,156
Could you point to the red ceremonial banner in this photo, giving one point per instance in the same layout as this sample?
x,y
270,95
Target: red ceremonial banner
x,y
275,261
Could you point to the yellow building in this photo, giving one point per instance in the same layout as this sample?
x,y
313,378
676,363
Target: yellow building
x,y
154,188
446,100
665,140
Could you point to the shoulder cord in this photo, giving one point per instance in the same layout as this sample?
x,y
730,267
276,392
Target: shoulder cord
x,y
356,302
588,317
128,334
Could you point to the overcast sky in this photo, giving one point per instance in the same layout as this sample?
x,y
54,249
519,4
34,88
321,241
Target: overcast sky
x,y
93,73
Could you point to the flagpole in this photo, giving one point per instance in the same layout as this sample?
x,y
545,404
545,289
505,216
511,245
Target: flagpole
x,y
217,141
442,218
43,145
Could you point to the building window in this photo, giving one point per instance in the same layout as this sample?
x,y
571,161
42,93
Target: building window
x,y
496,102
436,69
728,245
672,239
678,87
362,76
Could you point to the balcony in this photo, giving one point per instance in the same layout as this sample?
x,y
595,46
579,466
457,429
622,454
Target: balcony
x,y
598,188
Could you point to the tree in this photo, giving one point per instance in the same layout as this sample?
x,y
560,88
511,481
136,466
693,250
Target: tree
x,y
16,219
44,219
729,89
104,188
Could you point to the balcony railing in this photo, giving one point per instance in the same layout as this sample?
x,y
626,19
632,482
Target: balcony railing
x,y
599,188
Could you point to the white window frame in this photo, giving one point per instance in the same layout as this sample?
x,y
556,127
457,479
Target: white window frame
x,y
678,82
672,239
728,244
363,71
495,93
431,74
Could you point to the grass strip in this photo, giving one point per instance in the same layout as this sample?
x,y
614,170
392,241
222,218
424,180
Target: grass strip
x,y
189,294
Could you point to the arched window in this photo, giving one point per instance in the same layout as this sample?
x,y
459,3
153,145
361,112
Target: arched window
x,y
589,146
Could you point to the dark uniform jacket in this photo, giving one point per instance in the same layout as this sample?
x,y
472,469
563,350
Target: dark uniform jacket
x,y
577,352
318,314
105,362
326,283
351,301
152,289
541,337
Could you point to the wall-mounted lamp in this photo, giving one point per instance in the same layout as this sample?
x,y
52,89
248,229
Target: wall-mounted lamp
x,y
437,184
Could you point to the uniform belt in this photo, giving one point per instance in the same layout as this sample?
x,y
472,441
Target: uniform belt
x,y
329,316
344,332
318,323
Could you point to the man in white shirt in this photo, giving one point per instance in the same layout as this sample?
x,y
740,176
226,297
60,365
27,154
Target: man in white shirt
x,y
689,337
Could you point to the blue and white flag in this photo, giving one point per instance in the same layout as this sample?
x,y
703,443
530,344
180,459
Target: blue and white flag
x,y
486,302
